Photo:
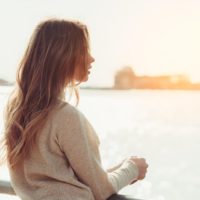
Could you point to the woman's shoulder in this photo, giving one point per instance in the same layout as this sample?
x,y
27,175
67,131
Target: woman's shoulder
x,y
66,117
67,110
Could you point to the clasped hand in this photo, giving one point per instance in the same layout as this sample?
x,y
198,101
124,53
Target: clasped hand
x,y
142,167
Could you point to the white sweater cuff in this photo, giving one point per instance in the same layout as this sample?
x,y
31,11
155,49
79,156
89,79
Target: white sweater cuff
x,y
124,175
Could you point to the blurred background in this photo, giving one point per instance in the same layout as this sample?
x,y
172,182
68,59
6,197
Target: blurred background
x,y
143,93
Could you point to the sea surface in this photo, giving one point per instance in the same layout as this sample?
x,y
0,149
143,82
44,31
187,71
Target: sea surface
x,y
162,126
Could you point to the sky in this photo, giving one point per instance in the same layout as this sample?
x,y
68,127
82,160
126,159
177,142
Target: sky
x,y
154,37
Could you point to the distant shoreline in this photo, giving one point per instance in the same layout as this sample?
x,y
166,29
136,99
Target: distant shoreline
x,y
5,83
167,89
118,89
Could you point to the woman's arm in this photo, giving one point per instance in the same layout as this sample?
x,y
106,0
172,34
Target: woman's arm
x,y
115,167
83,155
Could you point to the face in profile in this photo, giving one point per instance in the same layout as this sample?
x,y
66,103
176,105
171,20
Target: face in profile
x,y
90,60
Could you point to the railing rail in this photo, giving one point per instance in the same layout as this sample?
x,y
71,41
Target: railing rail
x,y
6,188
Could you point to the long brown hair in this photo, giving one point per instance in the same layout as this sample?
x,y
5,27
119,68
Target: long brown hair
x,y
56,49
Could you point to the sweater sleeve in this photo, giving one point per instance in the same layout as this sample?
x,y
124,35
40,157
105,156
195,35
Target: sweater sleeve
x,y
76,141
123,175
115,167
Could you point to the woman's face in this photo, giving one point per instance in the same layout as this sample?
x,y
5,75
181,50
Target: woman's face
x,y
90,60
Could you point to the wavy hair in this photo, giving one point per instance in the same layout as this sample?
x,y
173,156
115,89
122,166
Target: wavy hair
x,y
56,50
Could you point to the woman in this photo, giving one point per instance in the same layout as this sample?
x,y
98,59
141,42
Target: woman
x,y
52,149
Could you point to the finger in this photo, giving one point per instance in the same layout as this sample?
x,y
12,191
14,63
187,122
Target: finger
x,y
134,181
141,177
134,156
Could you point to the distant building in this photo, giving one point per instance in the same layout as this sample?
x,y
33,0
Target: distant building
x,y
124,79
161,82
127,79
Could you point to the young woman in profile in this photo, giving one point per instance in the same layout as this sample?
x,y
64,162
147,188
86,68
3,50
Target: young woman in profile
x,y
52,149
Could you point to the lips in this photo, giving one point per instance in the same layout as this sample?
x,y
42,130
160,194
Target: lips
x,y
89,67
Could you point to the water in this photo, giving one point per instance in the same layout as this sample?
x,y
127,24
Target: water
x,y
162,126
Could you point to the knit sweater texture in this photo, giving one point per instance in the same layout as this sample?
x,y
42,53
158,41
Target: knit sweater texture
x,y
65,164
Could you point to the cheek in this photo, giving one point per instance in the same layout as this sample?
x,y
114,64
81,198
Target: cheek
x,y
80,75
85,78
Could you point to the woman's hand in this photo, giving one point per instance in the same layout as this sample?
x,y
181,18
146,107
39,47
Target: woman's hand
x,y
142,167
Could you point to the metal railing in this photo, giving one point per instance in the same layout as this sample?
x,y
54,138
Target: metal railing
x,y
6,188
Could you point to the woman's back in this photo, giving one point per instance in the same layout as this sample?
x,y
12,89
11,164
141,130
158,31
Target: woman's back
x,y
47,173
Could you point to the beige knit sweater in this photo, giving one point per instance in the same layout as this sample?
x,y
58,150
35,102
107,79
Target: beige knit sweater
x,y
65,164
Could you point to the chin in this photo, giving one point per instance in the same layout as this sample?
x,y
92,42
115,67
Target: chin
x,y
85,78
